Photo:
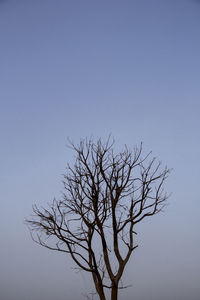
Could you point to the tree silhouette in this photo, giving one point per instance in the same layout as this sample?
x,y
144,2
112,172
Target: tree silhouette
x,y
105,196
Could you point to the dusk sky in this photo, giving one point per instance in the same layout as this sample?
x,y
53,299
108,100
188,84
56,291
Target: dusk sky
x,y
81,68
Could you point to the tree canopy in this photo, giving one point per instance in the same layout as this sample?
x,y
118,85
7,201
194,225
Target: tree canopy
x,y
105,196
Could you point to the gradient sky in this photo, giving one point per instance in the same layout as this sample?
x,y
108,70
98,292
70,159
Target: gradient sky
x,y
86,67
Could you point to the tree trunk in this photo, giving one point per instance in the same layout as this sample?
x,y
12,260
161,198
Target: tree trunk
x,y
114,293
101,296
98,285
100,291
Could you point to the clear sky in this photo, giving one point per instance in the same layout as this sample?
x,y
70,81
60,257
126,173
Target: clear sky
x,y
85,67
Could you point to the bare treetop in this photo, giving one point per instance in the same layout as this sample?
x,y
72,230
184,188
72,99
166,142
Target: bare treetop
x,y
105,196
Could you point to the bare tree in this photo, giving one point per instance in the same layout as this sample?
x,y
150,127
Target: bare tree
x,y
105,196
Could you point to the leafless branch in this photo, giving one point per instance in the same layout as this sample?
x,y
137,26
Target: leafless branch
x,y
105,196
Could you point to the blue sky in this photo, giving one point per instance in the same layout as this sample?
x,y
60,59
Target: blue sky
x,y
81,68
